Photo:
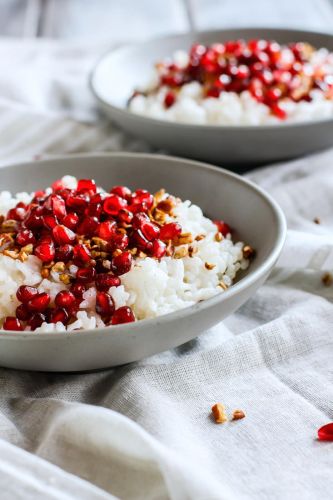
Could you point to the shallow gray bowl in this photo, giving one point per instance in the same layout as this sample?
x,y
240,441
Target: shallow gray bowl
x,y
221,194
122,70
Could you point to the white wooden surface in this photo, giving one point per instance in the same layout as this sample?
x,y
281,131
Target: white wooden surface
x,y
118,20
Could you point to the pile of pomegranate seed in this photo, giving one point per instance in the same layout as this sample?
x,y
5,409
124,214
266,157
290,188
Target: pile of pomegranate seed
x,y
97,232
268,70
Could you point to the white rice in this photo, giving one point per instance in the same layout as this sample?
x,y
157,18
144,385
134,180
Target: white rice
x,y
151,288
229,108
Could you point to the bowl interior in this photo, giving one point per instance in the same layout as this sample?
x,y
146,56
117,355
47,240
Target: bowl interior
x,y
119,72
220,194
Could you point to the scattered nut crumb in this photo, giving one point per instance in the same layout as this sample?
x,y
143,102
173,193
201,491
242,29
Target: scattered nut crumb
x,y
219,414
181,252
223,285
200,237
45,273
209,266
65,278
218,236
11,253
238,415
327,279
316,220
192,250
248,252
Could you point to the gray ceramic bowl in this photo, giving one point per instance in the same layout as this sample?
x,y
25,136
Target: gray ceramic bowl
x,y
258,219
120,71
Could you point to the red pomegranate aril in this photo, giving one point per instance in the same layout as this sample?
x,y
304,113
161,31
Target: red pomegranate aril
x,y
105,281
59,315
25,237
24,293
141,196
113,203
33,219
106,230
94,210
36,320
56,204
16,213
278,111
82,253
71,220
78,290
125,215
104,304
325,433
213,92
170,231
45,251
63,234
139,239
39,302
139,219
122,263
49,221
65,299
98,198
64,253
158,249
169,99
273,94
150,231
77,202
86,185
87,226
222,227
57,185
22,312
122,315
122,191
12,323
119,241
85,275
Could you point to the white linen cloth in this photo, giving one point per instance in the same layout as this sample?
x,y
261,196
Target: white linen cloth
x,y
144,431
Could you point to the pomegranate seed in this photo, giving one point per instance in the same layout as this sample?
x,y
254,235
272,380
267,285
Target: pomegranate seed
x,y
142,197
106,230
213,92
82,254
33,219
36,320
122,263
273,94
325,433
119,241
25,293
94,210
139,219
222,227
77,202
158,249
121,191
105,281
78,290
57,185
169,99
64,253
98,198
59,315
56,204
24,237
39,302
125,215
104,304
63,234
139,240
170,231
71,220
16,214
86,185
86,275
12,323
122,315
65,299
150,231
278,111
45,251
113,203
49,221
88,226
22,312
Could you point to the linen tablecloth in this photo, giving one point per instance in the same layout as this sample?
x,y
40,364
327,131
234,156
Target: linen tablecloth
x,y
144,431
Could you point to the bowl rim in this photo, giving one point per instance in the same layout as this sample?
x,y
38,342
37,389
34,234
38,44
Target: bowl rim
x,y
200,127
244,283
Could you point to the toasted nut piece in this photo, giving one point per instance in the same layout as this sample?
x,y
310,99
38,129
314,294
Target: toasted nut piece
x,y
327,279
142,255
238,415
169,249
106,264
28,249
134,251
102,244
209,266
95,253
59,267
45,273
23,256
8,226
181,252
11,253
200,237
192,250
65,278
218,236
184,239
219,414
159,215
248,252
166,205
6,239
117,252
316,220
2,218
223,285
